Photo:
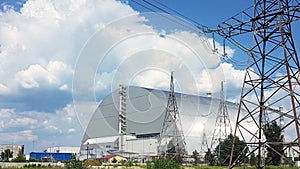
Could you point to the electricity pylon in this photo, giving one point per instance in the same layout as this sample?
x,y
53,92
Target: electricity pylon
x,y
271,78
204,144
222,124
172,141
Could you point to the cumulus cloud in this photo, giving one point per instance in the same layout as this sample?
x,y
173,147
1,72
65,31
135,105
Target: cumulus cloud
x,y
144,56
36,75
30,78
38,42
18,137
36,126
23,121
6,113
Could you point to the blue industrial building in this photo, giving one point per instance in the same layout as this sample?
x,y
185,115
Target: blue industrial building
x,y
46,156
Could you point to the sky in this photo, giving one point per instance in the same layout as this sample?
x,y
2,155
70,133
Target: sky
x,y
59,59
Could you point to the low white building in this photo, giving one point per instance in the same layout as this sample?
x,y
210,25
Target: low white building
x,y
141,146
62,149
132,146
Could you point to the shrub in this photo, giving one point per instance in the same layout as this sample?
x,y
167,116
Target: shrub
x,y
32,160
93,162
163,163
128,164
75,164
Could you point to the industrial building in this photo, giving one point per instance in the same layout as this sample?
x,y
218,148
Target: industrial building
x,y
15,149
59,153
46,156
143,111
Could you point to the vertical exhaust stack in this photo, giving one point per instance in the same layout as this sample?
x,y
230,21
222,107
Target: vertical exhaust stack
x,y
122,116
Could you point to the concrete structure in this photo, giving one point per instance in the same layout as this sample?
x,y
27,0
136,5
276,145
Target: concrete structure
x,y
145,110
15,149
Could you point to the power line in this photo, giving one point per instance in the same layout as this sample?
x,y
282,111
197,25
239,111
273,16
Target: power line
x,y
180,21
181,15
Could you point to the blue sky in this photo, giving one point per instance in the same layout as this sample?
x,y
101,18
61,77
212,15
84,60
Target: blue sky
x,y
12,4
59,59
208,13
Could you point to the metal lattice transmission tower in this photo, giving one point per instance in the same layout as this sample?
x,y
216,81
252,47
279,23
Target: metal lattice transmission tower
x,y
172,141
204,144
271,79
222,125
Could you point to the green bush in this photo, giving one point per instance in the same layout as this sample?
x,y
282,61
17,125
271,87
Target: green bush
x,y
19,158
75,164
163,163
32,160
128,164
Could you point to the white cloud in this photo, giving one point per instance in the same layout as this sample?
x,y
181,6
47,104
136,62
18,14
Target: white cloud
x,y
64,87
18,137
210,80
31,124
36,75
67,113
152,59
52,129
2,125
22,121
103,80
46,36
6,113
4,89
66,26
71,130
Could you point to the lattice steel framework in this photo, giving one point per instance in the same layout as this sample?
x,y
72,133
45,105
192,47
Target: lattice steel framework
x,y
272,76
222,124
122,116
204,144
172,141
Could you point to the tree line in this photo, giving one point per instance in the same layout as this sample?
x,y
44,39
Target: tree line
x,y
220,155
